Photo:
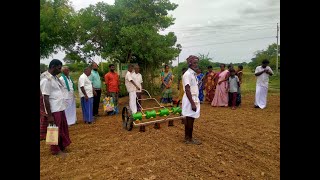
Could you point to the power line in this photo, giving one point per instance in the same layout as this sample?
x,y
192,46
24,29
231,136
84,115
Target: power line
x,y
218,27
240,25
226,32
229,42
221,30
210,39
222,25
214,36
221,33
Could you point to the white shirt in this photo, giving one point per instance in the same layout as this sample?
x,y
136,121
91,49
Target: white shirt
x,y
130,87
85,82
51,86
67,94
137,78
233,84
263,79
190,77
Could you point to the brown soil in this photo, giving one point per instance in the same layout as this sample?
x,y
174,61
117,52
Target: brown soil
x,y
236,144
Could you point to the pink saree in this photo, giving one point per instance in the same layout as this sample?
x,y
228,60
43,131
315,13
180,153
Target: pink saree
x,y
221,94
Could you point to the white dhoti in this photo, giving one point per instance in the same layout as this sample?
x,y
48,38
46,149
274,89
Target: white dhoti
x,y
186,105
70,111
133,101
261,96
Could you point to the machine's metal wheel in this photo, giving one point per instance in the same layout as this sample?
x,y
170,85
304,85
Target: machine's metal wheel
x,y
127,122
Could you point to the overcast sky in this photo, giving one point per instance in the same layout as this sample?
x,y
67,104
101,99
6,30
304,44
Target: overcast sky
x,y
229,30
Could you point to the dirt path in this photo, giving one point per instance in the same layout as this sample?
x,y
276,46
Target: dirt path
x,y
237,144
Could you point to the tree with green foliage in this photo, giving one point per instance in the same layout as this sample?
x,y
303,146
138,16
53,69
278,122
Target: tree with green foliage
x,y
93,33
73,57
128,31
77,66
57,28
270,53
43,67
204,62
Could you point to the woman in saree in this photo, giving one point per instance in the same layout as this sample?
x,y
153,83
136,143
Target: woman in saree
x,y
221,94
200,77
166,99
166,79
210,85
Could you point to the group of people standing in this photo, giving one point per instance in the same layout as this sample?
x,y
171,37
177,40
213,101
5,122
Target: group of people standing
x,y
57,99
58,102
223,88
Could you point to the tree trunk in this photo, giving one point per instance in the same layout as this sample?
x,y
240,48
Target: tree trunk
x,y
129,56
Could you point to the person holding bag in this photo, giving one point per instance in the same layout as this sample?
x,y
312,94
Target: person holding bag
x,y
52,90
113,86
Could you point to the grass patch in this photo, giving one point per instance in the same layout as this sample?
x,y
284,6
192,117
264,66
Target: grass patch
x,y
249,83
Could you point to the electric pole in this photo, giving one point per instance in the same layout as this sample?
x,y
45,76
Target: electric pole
x,y
277,66
179,48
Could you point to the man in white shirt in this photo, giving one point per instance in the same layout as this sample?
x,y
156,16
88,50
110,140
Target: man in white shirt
x,y
86,92
68,95
137,78
190,100
52,89
131,88
262,73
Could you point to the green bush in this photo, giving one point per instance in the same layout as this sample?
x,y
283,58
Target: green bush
x,y
43,67
103,70
77,67
123,90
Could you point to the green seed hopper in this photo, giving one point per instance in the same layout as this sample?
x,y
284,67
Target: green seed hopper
x,y
149,116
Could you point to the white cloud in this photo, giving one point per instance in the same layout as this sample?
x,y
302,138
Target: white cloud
x,y
213,22
78,4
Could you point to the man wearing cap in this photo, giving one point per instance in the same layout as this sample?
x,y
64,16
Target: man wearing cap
x,y
190,100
